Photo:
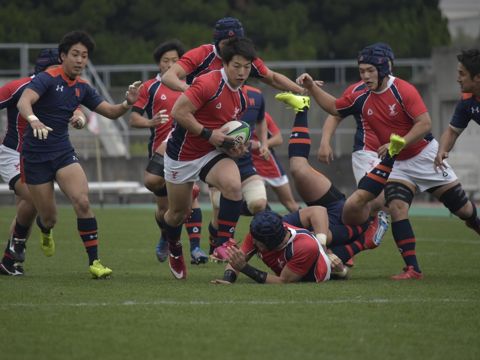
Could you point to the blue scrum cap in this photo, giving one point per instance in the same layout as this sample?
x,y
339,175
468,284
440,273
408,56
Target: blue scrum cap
x,y
267,227
46,58
377,55
226,28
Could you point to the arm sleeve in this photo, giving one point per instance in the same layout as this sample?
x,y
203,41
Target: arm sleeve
x,y
460,117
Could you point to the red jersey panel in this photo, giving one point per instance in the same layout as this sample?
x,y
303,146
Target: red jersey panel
x,y
270,168
153,97
203,59
216,103
9,95
387,112
301,254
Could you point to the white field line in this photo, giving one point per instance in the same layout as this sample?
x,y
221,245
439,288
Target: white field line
x,y
245,302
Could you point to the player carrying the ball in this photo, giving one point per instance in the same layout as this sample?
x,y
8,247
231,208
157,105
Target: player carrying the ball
x,y
198,149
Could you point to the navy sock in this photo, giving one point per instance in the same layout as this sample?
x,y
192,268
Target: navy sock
x,y
345,252
20,231
375,180
344,234
212,236
405,239
161,225
299,142
228,215
173,234
87,228
40,225
194,228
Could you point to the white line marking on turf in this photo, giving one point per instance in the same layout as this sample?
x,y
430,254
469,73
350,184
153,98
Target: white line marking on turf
x,y
245,302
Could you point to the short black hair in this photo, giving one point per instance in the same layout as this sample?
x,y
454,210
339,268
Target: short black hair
x,y
470,59
168,46
75,37
238,46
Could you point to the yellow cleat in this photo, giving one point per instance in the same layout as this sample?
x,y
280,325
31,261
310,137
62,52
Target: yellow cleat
x,y
397,143
99,271
297,102
47,244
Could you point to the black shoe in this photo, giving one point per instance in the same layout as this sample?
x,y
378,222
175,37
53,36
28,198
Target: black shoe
x,y
17,247
13,270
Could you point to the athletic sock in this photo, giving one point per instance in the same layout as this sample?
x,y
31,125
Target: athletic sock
x,y
345,252
299,142
43,229
375,180
20,231
228,215
87,228
405,239
344,234
161,226
211,238
193,226
173,234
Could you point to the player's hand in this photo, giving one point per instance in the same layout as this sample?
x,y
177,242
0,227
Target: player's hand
x,y
236,258
40,131
159,118
220,140
305,80
131,95
264,151
383,150
439,163
78,121
220,282
325,153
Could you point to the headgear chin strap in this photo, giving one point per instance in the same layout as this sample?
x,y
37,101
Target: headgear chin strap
x,y
46,58
267,227
226,28
377,55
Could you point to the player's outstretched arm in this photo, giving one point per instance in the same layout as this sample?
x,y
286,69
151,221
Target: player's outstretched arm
x,y
447,141
324,99
114,111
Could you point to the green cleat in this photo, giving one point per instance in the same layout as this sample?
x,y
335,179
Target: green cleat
x,y
47,244
397,143
99,271
297,102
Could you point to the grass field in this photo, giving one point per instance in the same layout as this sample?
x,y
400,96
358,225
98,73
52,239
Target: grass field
x,y
57,312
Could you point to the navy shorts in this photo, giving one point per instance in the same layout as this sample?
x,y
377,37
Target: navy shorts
x,y
41,168
334,210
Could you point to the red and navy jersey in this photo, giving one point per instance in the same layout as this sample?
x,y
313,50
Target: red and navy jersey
x,y
254,115
9,95
217,103
301,255
270,168
389,111
153,97
59,98
365,138
467,109
203,59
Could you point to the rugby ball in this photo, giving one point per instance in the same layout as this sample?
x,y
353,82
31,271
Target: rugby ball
x,y
239,130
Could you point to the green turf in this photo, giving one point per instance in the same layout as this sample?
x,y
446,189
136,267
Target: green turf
x,y
57,312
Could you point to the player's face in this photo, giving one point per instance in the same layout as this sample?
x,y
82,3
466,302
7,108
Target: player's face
x,y
467,84
167,60
237,70
75,60
369,75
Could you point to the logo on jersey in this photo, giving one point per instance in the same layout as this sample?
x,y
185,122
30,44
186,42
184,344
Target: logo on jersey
x,y
77,92
475,110
163,97
369,112
236,111
59,88
218,106
392,110
281,263
251,101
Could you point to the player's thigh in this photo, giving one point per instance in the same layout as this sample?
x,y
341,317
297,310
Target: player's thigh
x,y
43,197
73,182
225,176
311,185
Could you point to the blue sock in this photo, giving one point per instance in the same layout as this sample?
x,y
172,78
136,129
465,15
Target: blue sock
x,y
194,228
87,228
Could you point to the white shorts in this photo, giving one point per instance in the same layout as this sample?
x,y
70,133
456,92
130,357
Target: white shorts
x,y
419,170
9,163
276,182
181,172
363,161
